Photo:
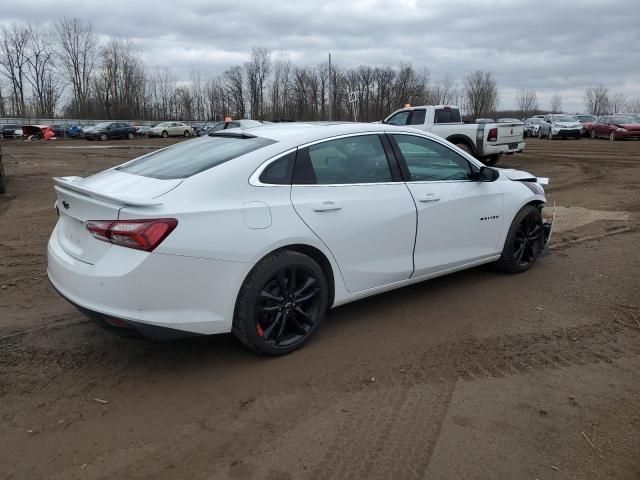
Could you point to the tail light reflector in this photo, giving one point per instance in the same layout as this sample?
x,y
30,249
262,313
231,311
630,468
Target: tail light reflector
x,y
138,234
493,135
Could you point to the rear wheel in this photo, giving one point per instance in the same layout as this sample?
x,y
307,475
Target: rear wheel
x,y
540,134
524,242
130,135
281,303
103,137
491,160
465,147
593,134
550,135
612,137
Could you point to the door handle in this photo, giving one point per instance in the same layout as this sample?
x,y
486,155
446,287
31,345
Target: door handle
x,y
327,206
429,197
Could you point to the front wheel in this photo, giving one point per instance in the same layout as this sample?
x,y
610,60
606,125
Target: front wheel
x,y
281,303
103,137
540,134
130,135
550,135
524,242
187,133
165,134
593,134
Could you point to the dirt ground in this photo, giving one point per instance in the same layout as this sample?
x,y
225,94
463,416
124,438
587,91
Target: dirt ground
x,y
477,375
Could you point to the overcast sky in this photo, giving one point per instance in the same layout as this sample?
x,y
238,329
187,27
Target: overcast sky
x,y
553,47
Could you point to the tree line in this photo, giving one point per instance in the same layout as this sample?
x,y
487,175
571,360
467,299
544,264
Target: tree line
x,y
62,69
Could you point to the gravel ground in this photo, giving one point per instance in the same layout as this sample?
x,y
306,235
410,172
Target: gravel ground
x,y
474,375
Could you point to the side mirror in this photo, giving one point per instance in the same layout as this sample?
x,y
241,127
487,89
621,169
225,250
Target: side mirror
x,y
487,174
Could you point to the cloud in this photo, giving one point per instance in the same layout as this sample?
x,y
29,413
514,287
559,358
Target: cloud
x,y
555,47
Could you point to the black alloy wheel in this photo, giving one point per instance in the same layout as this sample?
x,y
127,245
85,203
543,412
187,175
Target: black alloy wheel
x,y
287,307
528,241
281,303
524,242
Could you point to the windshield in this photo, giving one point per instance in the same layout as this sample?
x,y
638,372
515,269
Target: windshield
x,y
586,118
189,158
563,118
535,121
102,125
163,124
623,119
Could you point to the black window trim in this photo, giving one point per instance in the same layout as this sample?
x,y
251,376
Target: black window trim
x,y
254,178
406,175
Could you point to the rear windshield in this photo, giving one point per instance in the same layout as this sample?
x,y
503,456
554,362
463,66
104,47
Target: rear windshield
x,y
447,115
194,156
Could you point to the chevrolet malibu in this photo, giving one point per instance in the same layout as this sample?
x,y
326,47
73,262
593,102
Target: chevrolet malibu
x,y
258,232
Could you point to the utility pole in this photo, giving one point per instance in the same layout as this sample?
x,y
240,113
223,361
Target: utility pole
x,y
330,103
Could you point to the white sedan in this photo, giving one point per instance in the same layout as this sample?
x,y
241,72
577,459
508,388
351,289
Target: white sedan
x,y
260,231
171,129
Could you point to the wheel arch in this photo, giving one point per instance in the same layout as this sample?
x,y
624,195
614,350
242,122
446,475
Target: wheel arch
x,y
458,138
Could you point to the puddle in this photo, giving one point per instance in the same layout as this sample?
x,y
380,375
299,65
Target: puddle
x,y
571,218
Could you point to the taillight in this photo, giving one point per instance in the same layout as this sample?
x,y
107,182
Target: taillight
x,y
139,234
493,135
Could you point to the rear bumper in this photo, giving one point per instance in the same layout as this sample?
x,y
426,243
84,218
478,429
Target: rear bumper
x,y
150,290
503,148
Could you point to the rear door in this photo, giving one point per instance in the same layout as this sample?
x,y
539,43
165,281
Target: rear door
x,y
351,196
459,220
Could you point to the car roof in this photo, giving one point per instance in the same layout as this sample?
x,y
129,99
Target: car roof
x,y
292,134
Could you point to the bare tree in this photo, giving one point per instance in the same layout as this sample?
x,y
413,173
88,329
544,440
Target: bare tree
x,y
40,72
443,91
556,103
596,100
13,63
527,101
633,106
257,70
617,103
77,51
234,87
408,86
481,94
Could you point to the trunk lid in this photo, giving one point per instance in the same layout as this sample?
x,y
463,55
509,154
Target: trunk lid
x,y
510,133
100,197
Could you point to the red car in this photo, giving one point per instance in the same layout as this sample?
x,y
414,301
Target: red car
x,y
616,127
587,122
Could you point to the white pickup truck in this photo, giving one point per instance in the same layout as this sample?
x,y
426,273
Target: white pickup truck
x,y
486,141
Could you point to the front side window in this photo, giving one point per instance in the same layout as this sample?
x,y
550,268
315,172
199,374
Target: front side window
x,y
399,118
431,161
350,160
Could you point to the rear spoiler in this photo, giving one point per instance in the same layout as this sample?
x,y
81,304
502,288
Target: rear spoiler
x,y
70,184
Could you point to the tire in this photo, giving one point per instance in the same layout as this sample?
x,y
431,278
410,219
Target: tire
x,y
593,134
540,134
612,137
187,133
550,135
524,242
491,160
165,134
577,137
104,137
3,181
130,135
465,147
268,321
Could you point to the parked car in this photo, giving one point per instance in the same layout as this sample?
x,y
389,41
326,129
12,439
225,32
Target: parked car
x,y
531,126
560,125
59,131
142,130
616,127
351,210
486,141
586,121
110,130
18,133
171,129
7,130
509,120
37,132
73,131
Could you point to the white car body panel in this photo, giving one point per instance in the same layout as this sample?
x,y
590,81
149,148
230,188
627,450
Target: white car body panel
x,y
228,222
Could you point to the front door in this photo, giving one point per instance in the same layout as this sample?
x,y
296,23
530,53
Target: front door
x,y
344,191
459,219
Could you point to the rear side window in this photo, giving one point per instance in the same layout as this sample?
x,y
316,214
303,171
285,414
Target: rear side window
x,y
447,115
279,172
343,161
189,158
